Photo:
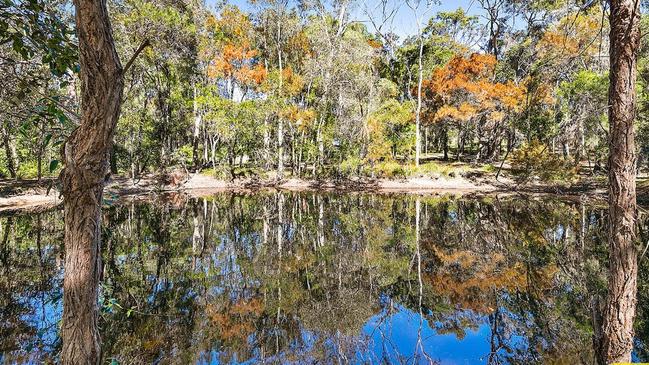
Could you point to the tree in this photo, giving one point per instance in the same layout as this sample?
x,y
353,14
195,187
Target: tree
x,y
274,20
414,6
495,24
616,341
86,156
463,92
391,131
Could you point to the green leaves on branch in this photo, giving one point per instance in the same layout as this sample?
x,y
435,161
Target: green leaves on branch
x,y
34,28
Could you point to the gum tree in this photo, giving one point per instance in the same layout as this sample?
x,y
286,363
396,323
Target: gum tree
x,y
86,157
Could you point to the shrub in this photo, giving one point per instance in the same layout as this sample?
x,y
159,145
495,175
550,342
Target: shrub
x,y
220,172
351,166
389,169
534,160
184,155
29,170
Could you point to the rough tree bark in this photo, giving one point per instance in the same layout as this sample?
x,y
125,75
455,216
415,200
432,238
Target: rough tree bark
x,y
616,341
86,156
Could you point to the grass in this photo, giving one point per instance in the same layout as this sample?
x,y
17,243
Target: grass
x,y
440,168
384,169
433,169
223,172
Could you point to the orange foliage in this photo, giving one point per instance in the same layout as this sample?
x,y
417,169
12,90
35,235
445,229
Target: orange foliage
x,y
464,89
374,44
302,118
470,280
292,82
232,55
573,36
299,44
236,322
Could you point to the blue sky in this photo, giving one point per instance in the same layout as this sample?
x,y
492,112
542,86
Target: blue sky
x,y
404,23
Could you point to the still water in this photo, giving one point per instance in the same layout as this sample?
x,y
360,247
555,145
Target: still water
x,y
322,278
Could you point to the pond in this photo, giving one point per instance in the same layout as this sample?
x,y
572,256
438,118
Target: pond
x,y
322,278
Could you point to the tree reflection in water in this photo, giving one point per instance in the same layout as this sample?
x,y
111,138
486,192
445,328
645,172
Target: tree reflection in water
x,y
303,278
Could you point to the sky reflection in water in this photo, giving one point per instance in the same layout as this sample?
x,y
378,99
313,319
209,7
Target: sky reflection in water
x,y
308,278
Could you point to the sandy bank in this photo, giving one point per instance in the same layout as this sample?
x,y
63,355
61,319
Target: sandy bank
x,y
38,198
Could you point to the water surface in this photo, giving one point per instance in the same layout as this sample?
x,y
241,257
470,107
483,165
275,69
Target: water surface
x,y
321,278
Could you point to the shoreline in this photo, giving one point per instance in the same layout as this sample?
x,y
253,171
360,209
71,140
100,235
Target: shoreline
x,y
37,198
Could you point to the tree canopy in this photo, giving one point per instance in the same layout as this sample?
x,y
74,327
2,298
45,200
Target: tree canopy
x,y
318,88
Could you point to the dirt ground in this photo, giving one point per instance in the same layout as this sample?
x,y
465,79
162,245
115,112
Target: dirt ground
x,y
30,195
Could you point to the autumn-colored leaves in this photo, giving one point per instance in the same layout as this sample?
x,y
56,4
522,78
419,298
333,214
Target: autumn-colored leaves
x,y
229,49
464,89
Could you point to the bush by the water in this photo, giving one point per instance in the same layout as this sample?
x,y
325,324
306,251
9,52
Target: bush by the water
x,y
534,160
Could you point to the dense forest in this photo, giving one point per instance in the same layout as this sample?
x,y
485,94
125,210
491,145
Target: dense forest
x,y
322,89
326,90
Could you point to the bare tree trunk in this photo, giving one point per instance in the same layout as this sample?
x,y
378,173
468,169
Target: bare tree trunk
x,y
266,144
86,156
280,126
10,151
198,120
280,149
420,80
492,8
319,138
39,163
445,141
616,343
426,141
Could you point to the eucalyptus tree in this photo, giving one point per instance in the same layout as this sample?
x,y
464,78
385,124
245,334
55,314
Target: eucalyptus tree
x,y
420,9
158,98
86,157
274,20
616,337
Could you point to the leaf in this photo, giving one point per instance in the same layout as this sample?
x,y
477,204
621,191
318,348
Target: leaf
x,y
47,140
53,165
62,118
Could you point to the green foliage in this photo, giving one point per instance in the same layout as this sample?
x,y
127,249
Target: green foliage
x,y
391,131
34,28
389,169
585,83
183,155
236,91
351,166
535,160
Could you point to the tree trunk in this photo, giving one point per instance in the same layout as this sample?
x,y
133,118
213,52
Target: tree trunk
x,y
198,119
280,123
39,163
420,80
10,151
266,144
86,157
445,141
280,149
619,309
320,140
426,141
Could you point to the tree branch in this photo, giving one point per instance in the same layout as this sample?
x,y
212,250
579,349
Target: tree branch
x,y
144,44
